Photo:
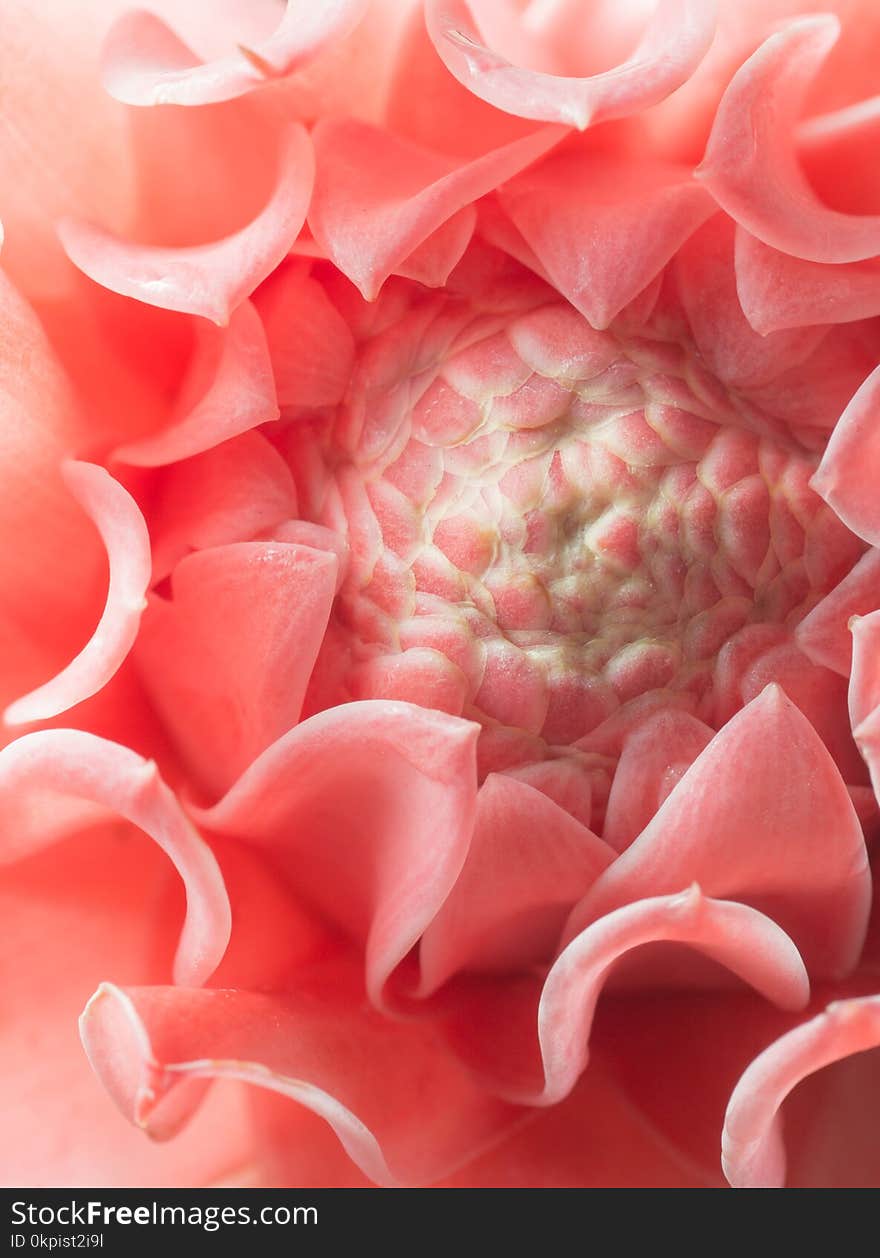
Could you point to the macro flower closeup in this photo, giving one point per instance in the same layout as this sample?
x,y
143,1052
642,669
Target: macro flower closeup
x,y
440,596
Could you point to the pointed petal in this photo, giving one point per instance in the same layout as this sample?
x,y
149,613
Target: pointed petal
x,y
72,763
124,534
404,194
511,898
753,1150
675,41
310,344
146,63
210,280
228,658
751,165
847,475
231,381
614,226
404,1110
370,807
790,844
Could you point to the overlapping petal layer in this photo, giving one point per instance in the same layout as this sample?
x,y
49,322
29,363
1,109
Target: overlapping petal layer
x,y
210,280
146,63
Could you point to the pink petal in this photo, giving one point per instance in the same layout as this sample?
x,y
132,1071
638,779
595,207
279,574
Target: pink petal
x,y
403,194
788,843
812,394
494,1029
511,898
847,475
864,693
310,344
733,350
228,658
233,492
739,938
102,899
837,148
210,280
53,562
824,635
778,291
819,693
73,763
867,736
615,224
655,756
675,41
753,1151
229,390
404,1110
125,536
145,63
68,151
370,807
751,165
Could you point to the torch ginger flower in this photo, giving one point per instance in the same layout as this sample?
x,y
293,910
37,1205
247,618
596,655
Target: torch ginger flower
x,y
441,593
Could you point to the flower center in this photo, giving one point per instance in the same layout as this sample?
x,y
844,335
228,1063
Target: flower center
x,y
547,521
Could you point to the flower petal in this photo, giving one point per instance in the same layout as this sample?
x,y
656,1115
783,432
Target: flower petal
x,y
510,900
557,1147
615,224
106,896
733,350
65,148
370,808
52,556
537,1061
70,762
125,536
655,755
739,938
404,193
405,1111
778,291
864,693
310,344
230,379
790,845
228,658
753,1151
847,475
210,280
751,165
145,63
824,634
233,492
675,41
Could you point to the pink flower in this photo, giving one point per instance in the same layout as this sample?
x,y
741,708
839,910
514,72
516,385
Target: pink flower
x,y
441,592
